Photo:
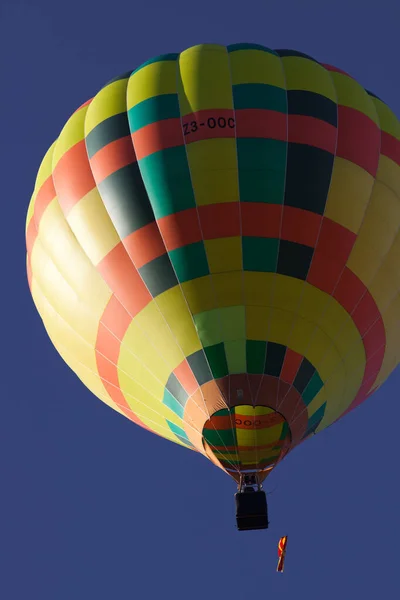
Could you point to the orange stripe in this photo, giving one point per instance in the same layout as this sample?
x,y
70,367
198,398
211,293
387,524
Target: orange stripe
x,y
31,235
261,123
300,226
390,147
157,136
261,220
112,328
124,280
291,365
220,422
180,229
111,158
312,132
186,377
220,220
144,245
73,177
45,195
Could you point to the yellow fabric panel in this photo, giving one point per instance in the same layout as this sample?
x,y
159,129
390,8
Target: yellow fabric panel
x,y
30,211
143,372
385,285
317,402
199,294
71,134
46,168
351,94
280,325
333,320
228,288
312,342
256,66
152,323
44,173
150,411
391,318
387,119
319,308
175,311
79,355
339,401
376,234
257,322
258,288
155,79
61,245
205,80
141,360
224,254
214,171
92,226
389,174
110,101
65,299
349,194
304,74
287,293
316,327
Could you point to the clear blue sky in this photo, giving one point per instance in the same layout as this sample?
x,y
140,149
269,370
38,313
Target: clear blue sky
x,y
78,521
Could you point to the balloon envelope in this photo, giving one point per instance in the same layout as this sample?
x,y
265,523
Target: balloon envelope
x,y
213,246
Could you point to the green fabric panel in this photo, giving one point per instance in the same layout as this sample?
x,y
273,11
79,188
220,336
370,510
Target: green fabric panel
x,y
259,95
260,254
158,108
167,180
255,354
180,433
236,356
208,327
261,153
262,170
222,437
190,262
221,324
285,431
312,389
173,404
233,323
217,360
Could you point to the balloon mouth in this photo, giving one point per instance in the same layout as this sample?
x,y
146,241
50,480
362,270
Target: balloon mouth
x,y
246,439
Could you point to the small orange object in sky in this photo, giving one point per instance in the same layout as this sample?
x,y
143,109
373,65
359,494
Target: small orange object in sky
x,y
282,553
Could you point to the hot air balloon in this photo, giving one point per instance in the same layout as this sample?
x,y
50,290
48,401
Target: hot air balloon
x,y
213,247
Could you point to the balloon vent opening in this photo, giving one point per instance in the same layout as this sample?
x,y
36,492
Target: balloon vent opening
x,y
246,438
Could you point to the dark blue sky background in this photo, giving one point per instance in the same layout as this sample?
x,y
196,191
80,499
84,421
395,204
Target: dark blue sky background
x,y
79,520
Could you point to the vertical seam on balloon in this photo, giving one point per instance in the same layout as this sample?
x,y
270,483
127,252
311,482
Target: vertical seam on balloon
x,y
303,287
210,274
242,249
319,232
275,274
341,273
